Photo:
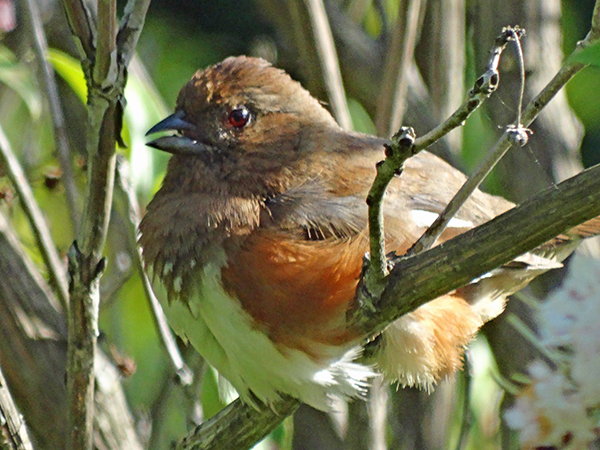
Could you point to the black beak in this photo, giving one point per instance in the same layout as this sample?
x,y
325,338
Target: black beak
x,y
177,145
175,122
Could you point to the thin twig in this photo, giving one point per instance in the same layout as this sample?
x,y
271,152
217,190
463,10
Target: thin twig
x,y
483,87
329,62
124,190
12,425
510,136
566,72
521,60
61,141
36,220
400,149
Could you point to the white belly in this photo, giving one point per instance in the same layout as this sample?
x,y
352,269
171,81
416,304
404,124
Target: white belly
x,y
224,334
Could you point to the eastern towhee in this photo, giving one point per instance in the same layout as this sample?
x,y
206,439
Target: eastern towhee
x,y
258,232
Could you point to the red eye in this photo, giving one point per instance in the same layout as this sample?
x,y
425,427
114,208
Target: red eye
x,y
239,117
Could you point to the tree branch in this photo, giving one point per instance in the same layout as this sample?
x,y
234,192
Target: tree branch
x,y
106,76
416,280
238,426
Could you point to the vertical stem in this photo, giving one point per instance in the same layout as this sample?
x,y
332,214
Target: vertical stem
x,y
329,62
61,142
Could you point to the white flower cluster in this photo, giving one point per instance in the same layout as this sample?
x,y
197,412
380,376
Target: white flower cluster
x,y
560,407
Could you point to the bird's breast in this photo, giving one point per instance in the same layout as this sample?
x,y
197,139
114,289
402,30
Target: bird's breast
x,y
297,292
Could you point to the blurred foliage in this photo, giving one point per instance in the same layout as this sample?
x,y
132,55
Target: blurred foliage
x,y
179,38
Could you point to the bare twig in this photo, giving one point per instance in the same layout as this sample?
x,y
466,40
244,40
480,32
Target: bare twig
x,y
567,72
329,62
510,137
517,41
12,425
61,142
124,191
36,220
404,146
484,86
392,94
396,154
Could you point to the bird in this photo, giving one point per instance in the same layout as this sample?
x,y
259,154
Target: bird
x,y
256,239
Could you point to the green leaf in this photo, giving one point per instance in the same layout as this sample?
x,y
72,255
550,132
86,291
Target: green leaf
x,y
588,55
360,118
69,69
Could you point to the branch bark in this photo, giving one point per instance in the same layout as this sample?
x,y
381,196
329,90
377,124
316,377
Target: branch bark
x,y
104,66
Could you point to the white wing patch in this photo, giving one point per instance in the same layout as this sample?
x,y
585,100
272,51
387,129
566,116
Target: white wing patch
x,y
424,219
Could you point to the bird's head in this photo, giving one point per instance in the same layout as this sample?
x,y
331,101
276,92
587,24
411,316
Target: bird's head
x,y
241,108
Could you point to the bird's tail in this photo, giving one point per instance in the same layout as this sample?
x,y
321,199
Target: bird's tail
x,y
428,344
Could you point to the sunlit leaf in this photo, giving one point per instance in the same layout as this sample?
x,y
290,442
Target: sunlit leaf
x,y
360,118
69,69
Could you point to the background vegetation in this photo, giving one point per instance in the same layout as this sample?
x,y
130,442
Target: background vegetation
x,y
452,42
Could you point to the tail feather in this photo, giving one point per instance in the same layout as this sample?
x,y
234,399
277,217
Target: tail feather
x,y
586,229
422,347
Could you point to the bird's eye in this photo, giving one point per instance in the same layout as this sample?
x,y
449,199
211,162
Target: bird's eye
x,y
239,117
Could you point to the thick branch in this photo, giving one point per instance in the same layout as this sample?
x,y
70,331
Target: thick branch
x,y
455,263
238,426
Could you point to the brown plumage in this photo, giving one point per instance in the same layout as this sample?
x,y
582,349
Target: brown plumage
x,y
259,230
